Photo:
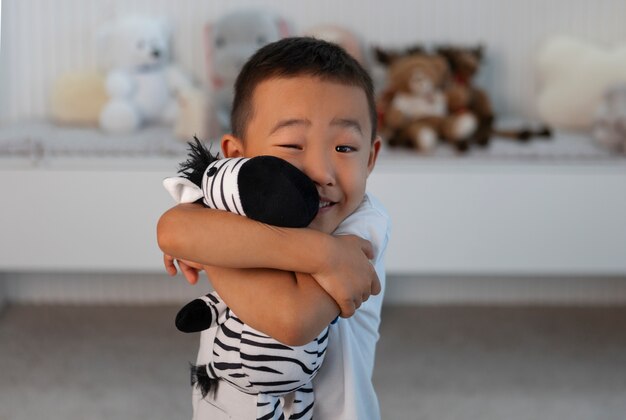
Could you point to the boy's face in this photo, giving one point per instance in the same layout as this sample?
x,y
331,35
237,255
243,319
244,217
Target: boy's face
x,y
321,127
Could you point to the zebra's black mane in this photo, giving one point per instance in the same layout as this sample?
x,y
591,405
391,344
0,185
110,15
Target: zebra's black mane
x,y
199,158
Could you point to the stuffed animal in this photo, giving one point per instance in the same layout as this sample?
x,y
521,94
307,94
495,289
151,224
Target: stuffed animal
x,y
356,46
609,126
414,106
141,83
270,190
264,188
464,96
386,56
346,39
574,75
193,115
77,98
229,42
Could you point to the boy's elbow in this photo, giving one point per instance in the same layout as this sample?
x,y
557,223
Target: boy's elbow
x,y
293,337
165,237
295,331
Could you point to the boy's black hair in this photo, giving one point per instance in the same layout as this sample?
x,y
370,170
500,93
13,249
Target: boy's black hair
x,y
297,56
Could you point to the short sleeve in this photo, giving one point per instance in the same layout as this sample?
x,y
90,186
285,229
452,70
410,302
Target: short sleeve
x,y
369,221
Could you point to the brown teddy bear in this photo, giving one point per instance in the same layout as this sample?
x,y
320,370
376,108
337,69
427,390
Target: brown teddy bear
x,y
414,107
463,96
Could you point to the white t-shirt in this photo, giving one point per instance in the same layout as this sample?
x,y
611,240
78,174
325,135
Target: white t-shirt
x,y
343,386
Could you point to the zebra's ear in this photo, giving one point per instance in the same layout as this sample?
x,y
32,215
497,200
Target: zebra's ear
x,y
182,189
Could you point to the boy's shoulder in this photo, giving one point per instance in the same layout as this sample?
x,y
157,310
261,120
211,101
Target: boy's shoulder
x,y
369,221
370,209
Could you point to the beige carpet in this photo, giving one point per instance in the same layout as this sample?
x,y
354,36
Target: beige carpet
x,y
96,363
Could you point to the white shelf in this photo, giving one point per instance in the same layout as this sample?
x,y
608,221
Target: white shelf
x,y
42,144
556,210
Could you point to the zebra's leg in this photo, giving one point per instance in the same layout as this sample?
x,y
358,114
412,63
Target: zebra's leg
x,y
303,399
269,407
201,313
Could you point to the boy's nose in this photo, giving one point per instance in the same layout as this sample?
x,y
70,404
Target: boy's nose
x,y
320,170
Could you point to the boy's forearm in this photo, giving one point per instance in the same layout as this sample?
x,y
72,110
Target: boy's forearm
x,y
219,238
290,307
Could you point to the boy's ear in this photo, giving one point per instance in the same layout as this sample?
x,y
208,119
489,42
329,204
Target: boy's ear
x,y
231,146
371,161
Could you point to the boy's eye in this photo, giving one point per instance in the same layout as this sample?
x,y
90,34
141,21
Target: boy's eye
x,y
292,146
345,149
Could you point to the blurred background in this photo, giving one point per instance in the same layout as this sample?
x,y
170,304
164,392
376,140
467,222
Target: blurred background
x,y
506,270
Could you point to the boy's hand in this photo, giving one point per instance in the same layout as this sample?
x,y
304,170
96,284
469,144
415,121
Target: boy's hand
x,y
348,275
189,269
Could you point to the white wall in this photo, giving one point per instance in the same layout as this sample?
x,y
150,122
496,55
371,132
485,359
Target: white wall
x,y
42,39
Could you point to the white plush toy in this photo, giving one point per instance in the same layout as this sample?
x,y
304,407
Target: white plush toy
x,y
609,127
229,42
574,76
141,83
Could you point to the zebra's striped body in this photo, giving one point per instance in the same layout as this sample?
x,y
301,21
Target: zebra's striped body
x,y
274,192
257,364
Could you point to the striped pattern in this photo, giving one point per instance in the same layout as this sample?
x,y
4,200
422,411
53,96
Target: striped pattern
x,y
258,364
220,186
251,361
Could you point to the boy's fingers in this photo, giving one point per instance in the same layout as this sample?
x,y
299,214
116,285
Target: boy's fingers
x,y
367,248
347,309
169,265
376,287
191,274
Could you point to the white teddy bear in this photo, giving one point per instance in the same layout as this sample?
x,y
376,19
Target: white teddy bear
x,y
141,84
574,75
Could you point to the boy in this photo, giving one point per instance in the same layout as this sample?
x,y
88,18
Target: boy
x,y
308,102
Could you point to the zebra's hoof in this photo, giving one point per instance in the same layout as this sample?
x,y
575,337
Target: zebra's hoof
x,y
194,317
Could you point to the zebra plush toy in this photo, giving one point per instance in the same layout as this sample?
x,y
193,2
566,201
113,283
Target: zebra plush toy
x,y
273,191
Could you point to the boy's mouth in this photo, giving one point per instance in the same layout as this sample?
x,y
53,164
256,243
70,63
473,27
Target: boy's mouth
x,y
324,204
